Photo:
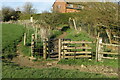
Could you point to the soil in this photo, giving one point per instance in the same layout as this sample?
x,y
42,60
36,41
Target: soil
x,y
62,35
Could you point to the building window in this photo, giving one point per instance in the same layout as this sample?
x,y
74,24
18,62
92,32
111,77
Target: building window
x,y
70,5
80,6
59,6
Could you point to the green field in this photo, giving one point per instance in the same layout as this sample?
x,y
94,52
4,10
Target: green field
x,y
11,35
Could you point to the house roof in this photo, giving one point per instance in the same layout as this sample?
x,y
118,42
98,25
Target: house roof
x,y
73,0
80,0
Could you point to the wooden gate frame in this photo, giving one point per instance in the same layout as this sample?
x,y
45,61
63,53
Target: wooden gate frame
x,y
100,52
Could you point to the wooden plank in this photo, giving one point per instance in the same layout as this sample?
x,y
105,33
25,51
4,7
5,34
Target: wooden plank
x,y
87,52
54,56
77,48
74,42
109,44
108,53
59,49
80,56
109,58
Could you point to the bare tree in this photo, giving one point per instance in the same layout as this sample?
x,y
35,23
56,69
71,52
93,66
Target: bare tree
x,y
28,8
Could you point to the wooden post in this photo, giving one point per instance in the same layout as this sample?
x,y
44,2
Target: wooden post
x,y
47,46
36,34
24,39
99,49
97,44
74,24
70,23
44,49
32,45
96,56
59,49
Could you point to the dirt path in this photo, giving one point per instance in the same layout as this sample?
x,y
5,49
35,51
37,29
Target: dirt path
x,y
62,36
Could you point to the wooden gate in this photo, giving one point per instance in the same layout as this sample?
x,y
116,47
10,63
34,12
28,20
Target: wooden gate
x,y
65,48
105,50
74,49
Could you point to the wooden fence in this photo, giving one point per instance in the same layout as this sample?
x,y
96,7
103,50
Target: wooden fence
x,y
100,50
68,49
65,48
74,49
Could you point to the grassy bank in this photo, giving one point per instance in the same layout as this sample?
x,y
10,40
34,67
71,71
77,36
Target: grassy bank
x,y
11,36
11,70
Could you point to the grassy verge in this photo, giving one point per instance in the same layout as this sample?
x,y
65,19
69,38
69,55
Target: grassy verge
x,y
111,63
11,70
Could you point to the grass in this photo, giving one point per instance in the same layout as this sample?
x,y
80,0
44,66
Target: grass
x,y
111,63
55,33
25,50
80,36
11,36
11,70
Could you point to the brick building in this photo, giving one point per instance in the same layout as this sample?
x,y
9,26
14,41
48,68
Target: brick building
x,y
65,6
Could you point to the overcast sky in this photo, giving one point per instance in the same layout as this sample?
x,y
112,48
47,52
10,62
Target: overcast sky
x,y
40,5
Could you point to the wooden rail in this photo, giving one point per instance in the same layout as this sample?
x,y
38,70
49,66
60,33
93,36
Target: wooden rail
x,y
109,44
80,56
75,42
108,53
81,52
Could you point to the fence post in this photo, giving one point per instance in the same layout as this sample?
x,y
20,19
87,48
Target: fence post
x,y
96,57
99,49
24,39
32,45
44,49
36,33
74,24
59,49
47,45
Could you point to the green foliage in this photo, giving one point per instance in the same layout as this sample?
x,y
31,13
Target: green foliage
x,y
55,33
9,14
11,35
27,16
11,70
106,62
80,36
